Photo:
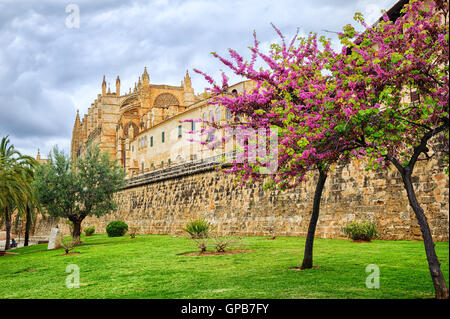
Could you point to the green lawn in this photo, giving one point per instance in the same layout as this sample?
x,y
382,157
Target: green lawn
x,y
150,267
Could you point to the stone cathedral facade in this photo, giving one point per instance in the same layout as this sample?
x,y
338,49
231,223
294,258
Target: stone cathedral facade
x,y
143,128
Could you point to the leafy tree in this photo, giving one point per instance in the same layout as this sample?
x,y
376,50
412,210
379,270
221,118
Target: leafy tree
x,y
394,85
32,209
363,112
15,186
76,192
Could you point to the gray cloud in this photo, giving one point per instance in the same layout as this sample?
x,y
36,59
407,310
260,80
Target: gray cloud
x,y
48,71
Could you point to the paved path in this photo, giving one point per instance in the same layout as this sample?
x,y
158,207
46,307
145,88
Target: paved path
x,y
31,241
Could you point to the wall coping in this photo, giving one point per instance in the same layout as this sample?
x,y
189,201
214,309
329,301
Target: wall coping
x,y
175,171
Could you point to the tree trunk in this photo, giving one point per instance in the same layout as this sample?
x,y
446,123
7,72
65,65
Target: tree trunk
x,y
8,228
27,226
308,255
440,286
76,230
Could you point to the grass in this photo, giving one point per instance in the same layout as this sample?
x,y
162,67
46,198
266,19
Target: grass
x,y
150,266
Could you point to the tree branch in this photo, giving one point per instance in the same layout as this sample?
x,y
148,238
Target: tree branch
x,y
396,163
422,147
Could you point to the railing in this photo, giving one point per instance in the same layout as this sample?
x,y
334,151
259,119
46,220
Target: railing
x,y
184,169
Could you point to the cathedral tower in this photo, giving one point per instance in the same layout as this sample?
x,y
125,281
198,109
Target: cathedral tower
x,y
104,86
118,86
189,96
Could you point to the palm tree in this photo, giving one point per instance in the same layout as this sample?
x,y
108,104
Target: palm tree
x,y
16,173
33,207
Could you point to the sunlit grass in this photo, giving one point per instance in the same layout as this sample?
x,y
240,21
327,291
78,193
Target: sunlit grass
x,y
151,266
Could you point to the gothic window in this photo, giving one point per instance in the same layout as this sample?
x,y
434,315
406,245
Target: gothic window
x,y
165,100
211,115
180,130
127,128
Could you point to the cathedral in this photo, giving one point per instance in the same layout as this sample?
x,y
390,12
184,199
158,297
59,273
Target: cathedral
x,y
143,129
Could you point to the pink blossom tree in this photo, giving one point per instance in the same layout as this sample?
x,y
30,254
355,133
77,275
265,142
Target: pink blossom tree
x,y
294,95
393,90
357,109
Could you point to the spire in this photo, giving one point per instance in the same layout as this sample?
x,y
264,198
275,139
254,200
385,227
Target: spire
x,y
189,96
139,83
118,86
187,81
77,118
145,78
38,156
77,123
104,86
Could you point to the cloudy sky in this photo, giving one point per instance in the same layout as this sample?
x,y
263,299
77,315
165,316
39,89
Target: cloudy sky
x,y
49,68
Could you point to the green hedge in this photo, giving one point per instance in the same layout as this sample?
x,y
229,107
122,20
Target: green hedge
x,y
89,230
116,228
361,230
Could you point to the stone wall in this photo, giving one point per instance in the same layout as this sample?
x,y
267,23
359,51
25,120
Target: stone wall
x,y
350,193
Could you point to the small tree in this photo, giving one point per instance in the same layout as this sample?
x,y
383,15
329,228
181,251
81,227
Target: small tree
x,y
393,80
32,209
68,244
16,171
77,192
294,95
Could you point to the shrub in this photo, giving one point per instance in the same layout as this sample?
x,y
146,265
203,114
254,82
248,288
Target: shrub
x,y
271,230
202,244
223,243
68,244
361,230
198,228
116,228
89,231
132,232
